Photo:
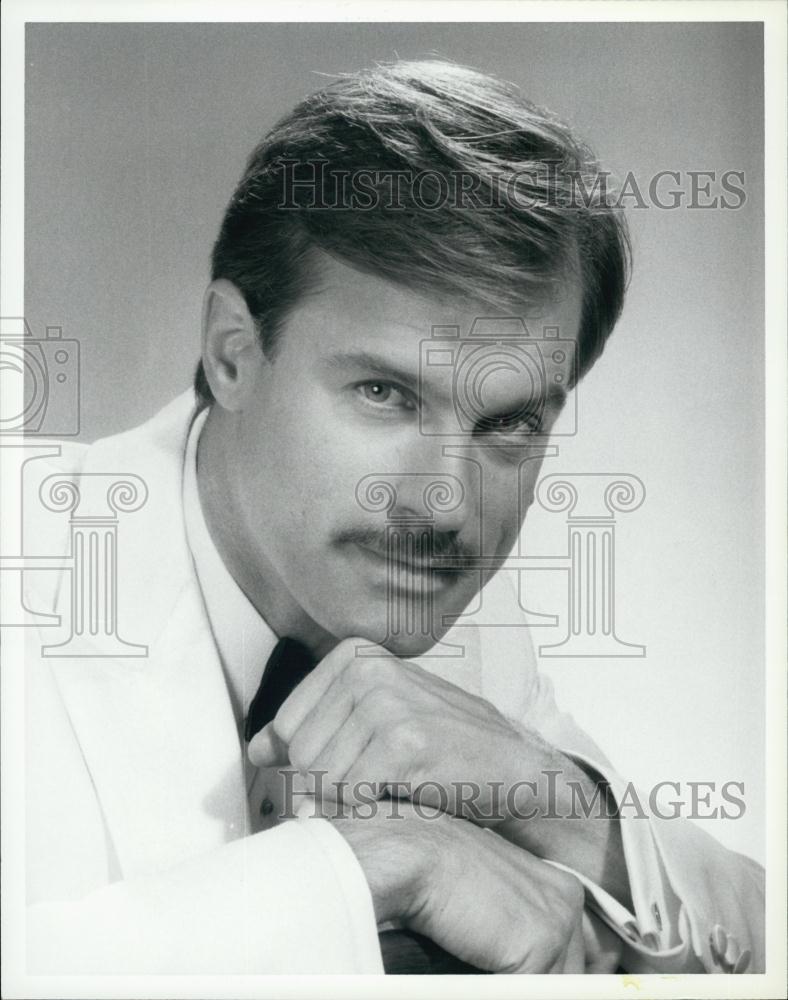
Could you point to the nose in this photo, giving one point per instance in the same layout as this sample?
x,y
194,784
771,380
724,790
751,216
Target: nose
x,y
495,492
441,487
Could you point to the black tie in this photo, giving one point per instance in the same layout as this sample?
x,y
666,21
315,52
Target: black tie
x,y
287,666
404,952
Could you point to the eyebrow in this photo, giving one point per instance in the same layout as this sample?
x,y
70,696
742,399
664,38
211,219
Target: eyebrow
x,y
381,367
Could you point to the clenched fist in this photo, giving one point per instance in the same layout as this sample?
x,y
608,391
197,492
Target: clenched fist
x,y
480,898
386,726
382,720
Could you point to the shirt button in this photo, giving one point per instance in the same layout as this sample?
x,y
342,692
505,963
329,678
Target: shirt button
x,y
266,807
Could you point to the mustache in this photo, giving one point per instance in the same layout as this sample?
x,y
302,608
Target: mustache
x,y
441,545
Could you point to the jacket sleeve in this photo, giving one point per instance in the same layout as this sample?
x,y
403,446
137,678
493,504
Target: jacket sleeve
x,y
290,900
699,907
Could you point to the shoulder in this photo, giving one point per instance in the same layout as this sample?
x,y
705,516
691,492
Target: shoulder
x,y
61,479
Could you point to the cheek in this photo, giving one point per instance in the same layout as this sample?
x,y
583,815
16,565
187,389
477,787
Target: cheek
x,y
506,499
329,458
502,536
307,478
529,477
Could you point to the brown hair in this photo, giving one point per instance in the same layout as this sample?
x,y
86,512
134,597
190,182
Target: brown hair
x,y
433,176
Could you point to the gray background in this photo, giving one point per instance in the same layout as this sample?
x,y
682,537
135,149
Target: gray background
x,y
135,137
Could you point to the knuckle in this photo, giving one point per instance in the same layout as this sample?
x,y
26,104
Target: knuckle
x,y
405,735
363,673
346,648
355,670
573,893
568,902
297,753
378,704
551,950
387,668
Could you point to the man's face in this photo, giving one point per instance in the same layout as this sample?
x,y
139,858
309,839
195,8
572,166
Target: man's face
x,y
356,397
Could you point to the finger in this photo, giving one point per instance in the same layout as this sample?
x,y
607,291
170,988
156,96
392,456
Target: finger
x,y
268,749
341,753
322,723
373,774
313,687
452,694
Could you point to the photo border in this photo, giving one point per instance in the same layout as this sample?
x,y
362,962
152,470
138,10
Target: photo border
x,y
15,982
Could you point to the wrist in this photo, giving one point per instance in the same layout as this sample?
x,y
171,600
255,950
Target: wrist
x,y
545,790
571,818
536,779
398,858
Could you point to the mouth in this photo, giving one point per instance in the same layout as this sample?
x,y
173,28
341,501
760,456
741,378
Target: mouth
x,y
408,574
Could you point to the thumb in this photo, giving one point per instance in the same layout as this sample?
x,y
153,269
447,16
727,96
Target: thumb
x,y
267,749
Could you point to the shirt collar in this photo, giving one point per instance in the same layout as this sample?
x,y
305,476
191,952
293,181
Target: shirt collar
x,y
243,638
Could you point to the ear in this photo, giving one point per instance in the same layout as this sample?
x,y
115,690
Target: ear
x,y
231,352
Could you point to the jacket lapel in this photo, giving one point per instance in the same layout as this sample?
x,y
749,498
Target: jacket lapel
x,y
157,732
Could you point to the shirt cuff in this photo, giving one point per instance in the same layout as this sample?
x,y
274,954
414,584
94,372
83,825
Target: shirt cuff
x,y
351,887
657,935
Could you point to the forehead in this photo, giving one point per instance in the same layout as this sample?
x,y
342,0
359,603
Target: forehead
x,y
352,310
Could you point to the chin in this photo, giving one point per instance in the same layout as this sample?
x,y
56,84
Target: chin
x,y
371,623
409,647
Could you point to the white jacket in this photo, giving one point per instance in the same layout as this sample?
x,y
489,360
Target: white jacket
x,y
136,858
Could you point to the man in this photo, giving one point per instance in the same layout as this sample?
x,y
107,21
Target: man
x,y
400,203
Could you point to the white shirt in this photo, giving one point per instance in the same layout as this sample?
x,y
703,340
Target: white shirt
x,y
243,638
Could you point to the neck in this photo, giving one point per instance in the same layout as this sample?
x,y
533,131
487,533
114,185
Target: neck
x,y
243,552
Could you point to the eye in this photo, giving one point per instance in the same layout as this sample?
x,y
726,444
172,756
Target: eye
x,y
385,396
511,424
